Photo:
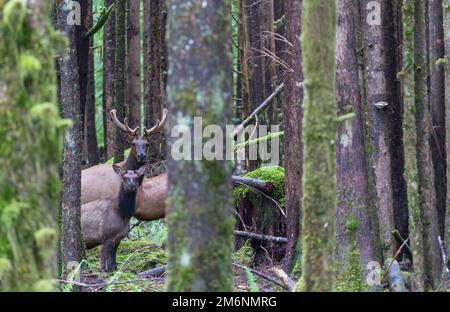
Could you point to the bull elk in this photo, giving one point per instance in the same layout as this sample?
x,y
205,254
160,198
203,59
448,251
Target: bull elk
x,y
106,221
91,187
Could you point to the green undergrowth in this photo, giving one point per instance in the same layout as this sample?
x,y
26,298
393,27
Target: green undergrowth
x,y
132,258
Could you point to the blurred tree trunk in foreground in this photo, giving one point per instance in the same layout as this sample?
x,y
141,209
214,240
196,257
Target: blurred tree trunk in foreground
x,y
318,205
200,219
30,149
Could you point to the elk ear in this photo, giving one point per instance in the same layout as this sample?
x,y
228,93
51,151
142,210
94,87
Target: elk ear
x,y
117,169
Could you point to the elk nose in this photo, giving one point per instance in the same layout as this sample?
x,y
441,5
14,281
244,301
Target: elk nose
x,y
141,156
131,185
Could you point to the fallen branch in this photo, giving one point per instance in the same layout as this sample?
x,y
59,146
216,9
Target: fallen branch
x,y
261,237
259,184
260,274
396,282
266,102
104,15
284,278
399,237
104,284
444,257
155,272
395,258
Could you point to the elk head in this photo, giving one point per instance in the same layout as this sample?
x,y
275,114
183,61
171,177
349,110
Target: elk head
x,y
139,143
131,179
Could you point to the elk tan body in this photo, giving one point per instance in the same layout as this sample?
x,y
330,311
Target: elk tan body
x,y
99,182
101,221
106,221
151,196
151,199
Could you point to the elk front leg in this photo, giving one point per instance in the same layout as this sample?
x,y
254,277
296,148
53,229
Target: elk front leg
x,y
108,257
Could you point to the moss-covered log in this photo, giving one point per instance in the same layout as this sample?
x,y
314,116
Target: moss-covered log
x,y
30,149
319,126
200,219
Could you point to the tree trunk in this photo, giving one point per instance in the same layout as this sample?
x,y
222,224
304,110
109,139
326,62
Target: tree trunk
x,y
292,108
30,150
155,73
424,229
253,70
134,64
356,243
72,244
90,149
200,219
109,47
120,74
318,46
428,212
437,99
83,45
379,119
447,120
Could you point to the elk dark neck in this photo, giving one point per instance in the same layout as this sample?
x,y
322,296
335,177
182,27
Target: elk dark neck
x,y
127,203
131,163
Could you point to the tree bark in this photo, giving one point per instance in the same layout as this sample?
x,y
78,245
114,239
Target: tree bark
x,y
200,216
447,131
318,46
427,191
437,101
134,64
355,238
109,47
155,95
120,74
90,149
424,229
72,244
293,146
379,119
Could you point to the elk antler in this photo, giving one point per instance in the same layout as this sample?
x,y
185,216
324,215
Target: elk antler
x,y
159,124
124,127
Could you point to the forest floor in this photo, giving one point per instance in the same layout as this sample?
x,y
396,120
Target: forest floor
x,y
139,253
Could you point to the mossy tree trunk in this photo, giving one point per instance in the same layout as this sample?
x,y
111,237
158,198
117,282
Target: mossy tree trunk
x,y
293,146
319,126
109,47
134,63
427,191
355,238
69,88
120,74
424,229
437,101
30,149
200,219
